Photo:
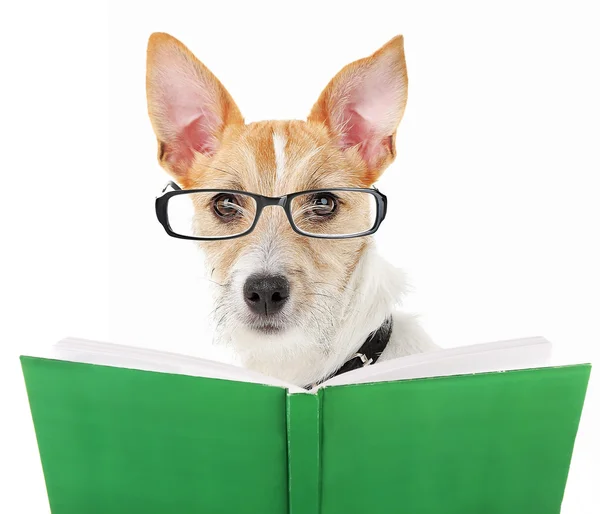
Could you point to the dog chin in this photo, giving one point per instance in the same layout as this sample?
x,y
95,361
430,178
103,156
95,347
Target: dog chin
x,y
261,326
268,329
258,335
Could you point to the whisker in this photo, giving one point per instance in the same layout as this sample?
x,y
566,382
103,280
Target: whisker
x,y
321,294
218,169
214,281
346,287
212,314
232,168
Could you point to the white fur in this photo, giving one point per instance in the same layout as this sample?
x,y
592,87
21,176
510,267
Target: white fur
x,y
309,353
279,147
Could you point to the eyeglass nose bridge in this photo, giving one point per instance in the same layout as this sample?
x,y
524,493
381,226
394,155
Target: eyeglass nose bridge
x,y
273,201
270,201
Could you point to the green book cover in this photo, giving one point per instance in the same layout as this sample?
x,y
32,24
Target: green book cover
x,y
488,428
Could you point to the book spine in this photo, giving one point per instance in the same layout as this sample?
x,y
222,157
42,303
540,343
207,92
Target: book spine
x,y
304,452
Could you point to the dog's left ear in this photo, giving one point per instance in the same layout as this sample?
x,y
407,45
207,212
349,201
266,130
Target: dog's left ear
x,y
363,104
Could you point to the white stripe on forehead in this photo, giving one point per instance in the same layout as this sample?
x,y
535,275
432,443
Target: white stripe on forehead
x,y
279,142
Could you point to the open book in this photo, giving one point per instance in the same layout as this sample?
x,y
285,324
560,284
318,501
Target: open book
x,y
482,428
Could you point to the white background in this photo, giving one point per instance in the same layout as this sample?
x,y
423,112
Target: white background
x,y
494,207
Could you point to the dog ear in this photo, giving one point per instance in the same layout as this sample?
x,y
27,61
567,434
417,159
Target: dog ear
x,y
188,107
363,104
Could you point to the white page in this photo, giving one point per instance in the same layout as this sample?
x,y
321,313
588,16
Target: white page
x,y
507,355
487,357
108,354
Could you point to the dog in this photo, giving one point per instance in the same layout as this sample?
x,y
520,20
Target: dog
x,y
290,306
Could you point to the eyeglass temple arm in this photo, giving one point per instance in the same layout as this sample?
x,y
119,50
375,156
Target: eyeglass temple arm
x,y
171,185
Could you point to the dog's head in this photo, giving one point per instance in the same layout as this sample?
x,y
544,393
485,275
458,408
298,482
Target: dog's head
x,y
274,280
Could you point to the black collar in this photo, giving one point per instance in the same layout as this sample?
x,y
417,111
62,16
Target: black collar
x,y
370,350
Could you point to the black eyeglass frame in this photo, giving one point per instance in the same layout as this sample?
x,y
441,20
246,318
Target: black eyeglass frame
x,y
284,201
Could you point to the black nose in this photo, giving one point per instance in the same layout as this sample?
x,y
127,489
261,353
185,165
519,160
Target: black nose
x,y
266,294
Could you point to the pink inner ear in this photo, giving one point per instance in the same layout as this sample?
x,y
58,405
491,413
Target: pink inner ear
x,y
197,136
359,132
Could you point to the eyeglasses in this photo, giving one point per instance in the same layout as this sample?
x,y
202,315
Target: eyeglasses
x,y
217,214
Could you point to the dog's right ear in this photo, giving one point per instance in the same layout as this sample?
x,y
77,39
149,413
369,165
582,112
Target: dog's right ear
x,y
189,108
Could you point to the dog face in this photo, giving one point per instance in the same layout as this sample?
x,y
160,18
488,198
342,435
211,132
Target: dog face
x,y
275,281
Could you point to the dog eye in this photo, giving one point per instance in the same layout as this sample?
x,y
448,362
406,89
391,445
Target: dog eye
x,y
226,206
323,204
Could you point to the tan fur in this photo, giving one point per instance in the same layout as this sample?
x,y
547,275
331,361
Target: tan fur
x,y
248,163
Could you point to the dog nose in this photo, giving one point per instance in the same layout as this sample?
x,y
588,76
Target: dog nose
x,y
266,294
